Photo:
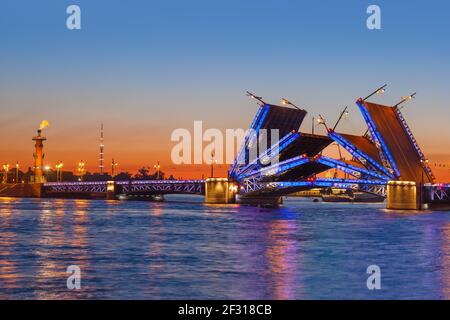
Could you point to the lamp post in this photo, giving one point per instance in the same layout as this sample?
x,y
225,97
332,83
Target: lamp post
x,y
404,99
114,164
213,161
380,90
424,163
17,172
81,165
321,120
259,100
287,102
59,171
5,172
343,114
46,170
157,167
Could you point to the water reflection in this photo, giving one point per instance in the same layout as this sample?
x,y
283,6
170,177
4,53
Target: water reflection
x,y
51,240
8,240
62,241
177,250
283,259
445,261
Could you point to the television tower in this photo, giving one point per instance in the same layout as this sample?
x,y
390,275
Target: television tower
x,y
102,147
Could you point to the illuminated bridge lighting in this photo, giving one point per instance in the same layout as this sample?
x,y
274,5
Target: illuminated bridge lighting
x,y
272,152
278,168
358,154
376,135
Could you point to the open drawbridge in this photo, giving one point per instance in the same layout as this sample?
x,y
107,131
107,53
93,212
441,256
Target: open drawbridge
x,y
293,162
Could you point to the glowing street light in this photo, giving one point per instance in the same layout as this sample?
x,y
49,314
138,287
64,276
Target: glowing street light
x,y
80,169
259,99
404,99
344,115
321,120
379,91
113,166
287,102
424,163
59,171
213,161
5,172
157,168
17,172
46,170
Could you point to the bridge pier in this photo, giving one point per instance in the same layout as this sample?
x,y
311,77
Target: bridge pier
x,y
220,191
111,190
403,195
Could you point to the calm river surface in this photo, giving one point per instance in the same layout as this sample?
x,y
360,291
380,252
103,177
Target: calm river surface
x,y
184,249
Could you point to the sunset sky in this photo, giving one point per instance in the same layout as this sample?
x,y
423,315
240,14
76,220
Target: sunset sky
x,y
146,68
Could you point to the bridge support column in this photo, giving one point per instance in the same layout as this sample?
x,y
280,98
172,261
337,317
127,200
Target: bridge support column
x,y
402,195
111,190
220,190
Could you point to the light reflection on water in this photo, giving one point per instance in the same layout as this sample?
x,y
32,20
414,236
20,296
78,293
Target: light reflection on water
x,y
184,249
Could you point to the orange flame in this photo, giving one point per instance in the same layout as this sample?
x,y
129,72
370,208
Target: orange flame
x,y
44,124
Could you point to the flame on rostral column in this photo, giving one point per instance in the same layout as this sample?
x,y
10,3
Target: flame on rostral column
x,y
44,124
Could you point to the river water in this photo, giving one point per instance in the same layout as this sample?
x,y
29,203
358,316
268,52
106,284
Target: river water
x,y
184,249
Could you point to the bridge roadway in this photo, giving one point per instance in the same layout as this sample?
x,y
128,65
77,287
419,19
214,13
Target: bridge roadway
x,y
434,194
99,189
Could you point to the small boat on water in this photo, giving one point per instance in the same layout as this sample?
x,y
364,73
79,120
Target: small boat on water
x,y
351,196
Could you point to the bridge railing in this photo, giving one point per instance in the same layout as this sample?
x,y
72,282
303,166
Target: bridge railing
x,y
132,186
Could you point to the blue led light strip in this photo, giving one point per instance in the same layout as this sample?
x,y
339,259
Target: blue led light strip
x,y
354,181
324,182
355,152
277,168
273,151
249,134
376,135
348,168
414,142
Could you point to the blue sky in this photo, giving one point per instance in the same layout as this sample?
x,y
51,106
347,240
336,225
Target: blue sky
x,y
148,67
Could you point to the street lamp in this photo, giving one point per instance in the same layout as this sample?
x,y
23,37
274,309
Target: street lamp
x,y
113,165
59,171
287,102
17,172
259,99
344,113
380,90
157,167
424,163
5,174
81,165
321,120
46,170
404,99
213,161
